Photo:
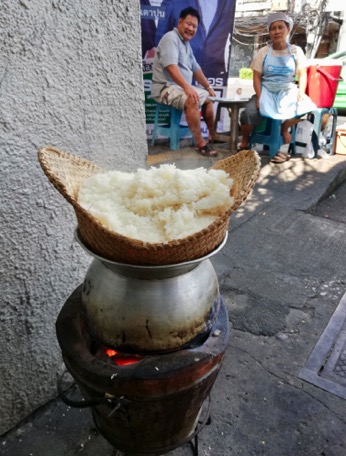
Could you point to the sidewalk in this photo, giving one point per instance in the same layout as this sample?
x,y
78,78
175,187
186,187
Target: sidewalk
x,y
282,276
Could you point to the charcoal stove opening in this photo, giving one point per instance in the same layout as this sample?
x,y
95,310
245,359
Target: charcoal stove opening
x,y
115,355
112,356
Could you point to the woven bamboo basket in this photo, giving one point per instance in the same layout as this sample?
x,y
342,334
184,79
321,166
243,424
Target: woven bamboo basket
x,y
66,172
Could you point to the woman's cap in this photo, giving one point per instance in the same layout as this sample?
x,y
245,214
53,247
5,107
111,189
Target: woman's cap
x,y
279,17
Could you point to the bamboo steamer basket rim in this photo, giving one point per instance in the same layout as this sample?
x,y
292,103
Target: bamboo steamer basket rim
x,y
66,172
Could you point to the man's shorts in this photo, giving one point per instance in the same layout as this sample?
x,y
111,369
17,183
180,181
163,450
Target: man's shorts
x,y
175,96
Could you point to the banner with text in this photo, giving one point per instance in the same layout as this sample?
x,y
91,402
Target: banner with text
x,y
211,44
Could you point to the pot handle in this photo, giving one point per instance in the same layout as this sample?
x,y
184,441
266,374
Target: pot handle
x,y
71,402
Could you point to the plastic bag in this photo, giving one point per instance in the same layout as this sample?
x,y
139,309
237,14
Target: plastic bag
x,y
306,140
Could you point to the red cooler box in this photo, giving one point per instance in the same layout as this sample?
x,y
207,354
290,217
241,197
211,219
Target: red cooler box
x,y
323,81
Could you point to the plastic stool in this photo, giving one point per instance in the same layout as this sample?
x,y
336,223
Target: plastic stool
x,y
269,134
317,121
173,130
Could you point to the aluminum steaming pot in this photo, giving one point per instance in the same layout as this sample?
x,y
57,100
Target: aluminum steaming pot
x,y
150,308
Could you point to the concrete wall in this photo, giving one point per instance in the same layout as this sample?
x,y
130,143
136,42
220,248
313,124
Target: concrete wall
x,y
70,76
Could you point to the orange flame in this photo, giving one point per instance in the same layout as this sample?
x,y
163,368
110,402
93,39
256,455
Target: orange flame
x,y
122,360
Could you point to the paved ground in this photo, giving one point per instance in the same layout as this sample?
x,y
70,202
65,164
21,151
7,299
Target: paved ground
x,y
282,276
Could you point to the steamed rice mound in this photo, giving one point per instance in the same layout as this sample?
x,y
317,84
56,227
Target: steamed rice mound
x,y
157,205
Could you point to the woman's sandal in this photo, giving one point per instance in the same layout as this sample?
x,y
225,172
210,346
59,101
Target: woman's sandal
x,y
207,151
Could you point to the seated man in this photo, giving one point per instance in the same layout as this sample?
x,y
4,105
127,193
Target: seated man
x,y
173,71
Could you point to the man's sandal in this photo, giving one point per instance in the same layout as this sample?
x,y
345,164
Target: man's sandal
x,y
280,157
207,151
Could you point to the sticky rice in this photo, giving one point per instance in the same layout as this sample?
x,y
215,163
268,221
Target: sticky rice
x,y
157,205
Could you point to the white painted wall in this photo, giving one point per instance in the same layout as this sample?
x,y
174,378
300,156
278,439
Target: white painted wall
x,y
70,76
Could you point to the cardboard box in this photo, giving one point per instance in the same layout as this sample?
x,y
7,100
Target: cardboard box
x,y
340,142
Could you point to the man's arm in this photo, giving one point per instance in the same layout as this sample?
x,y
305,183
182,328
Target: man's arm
x,y
179,79
200,77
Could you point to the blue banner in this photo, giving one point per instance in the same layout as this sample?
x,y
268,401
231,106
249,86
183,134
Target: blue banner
x,y
211,44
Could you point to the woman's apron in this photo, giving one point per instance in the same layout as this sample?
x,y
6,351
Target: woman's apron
x,y
279,95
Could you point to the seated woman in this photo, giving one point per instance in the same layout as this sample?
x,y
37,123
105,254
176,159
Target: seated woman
x,y
277,95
